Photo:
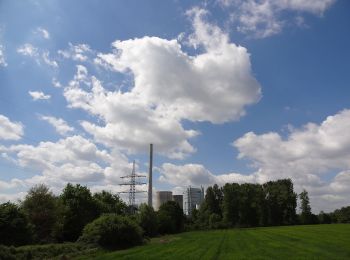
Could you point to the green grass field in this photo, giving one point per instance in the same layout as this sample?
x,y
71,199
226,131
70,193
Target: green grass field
x,y
292,242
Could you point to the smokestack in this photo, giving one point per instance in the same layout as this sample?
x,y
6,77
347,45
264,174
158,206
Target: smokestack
x,y
150,175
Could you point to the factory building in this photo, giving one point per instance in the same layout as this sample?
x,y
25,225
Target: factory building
x,y
179,200
193,197
162,197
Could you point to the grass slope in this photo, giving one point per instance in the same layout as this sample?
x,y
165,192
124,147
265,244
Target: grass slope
x,y
292,242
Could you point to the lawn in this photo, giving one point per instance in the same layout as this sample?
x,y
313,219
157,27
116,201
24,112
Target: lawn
x,y
289,242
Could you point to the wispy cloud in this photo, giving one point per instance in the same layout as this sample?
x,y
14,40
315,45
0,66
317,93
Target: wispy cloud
x,y
59,124
39,95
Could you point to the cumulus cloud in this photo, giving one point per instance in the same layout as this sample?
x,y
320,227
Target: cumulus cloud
x,y
265,18
72,159
38,95
2,57
10,130
169,86
197,174
308,155
79,52
59,124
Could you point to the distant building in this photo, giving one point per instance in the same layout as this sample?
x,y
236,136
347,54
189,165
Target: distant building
x,y
179,200
193,197
162,197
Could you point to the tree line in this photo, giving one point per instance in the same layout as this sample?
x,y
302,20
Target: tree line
x,y
103,219
273,203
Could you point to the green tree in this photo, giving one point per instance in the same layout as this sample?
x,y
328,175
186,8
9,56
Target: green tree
x,y
170,218
230,203
305,209
40,206
109,203
14,226
147,219
281,202
80,208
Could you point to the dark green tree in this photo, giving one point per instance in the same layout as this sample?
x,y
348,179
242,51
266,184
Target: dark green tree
x,y
230,204
305,209
40,206
281,202
147,219
109,203
14,226
80,208
170,218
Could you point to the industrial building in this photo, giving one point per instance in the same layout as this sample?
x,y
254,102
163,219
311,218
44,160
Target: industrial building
x,y
179,200
162,197
193,197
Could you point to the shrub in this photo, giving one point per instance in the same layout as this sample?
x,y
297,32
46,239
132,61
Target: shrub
x,y
112,232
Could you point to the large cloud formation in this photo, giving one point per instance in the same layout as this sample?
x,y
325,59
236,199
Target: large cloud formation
x,y
316,157
169,86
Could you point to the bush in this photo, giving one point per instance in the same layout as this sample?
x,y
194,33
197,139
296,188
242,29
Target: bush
x,y
112,232
49,251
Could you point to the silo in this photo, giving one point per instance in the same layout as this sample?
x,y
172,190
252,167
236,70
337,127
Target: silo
x,y
162,197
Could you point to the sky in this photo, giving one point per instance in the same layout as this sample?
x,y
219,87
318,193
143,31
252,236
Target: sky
x,y
226,90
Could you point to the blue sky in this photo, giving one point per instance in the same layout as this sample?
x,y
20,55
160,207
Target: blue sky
x,y
229,91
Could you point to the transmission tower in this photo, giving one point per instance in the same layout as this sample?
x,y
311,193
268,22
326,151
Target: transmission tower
x,y
132,182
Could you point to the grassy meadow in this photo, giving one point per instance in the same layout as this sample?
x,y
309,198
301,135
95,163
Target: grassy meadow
x,y
288,242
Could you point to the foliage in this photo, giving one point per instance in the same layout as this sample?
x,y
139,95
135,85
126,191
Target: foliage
x,y
109,203
14,226
80,208
248,205
40,206
170,218
147,219
48,251
112,231
305,209
341,215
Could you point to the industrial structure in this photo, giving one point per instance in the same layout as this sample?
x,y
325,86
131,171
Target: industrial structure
x,y
193,197
132,183
162,197
179,200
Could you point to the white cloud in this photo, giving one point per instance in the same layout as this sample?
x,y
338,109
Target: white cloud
x,y
28,50
77,52
43,32
47,60
10,130
265,18
38,95
73,159
2,57
39,56
308,156
169,86
197,175
59,124
56,83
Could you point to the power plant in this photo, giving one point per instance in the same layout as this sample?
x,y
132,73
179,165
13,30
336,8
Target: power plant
x,y
165,196
162,197
193,197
